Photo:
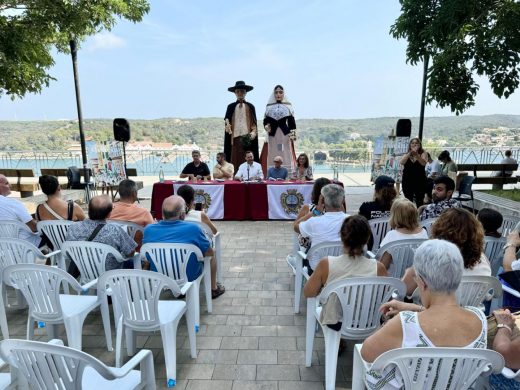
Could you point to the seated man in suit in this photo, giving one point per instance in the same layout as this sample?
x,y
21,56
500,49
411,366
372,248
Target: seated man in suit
x,y
173,229
277,172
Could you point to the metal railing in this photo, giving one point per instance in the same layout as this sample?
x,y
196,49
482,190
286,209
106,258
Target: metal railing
x,y
149,162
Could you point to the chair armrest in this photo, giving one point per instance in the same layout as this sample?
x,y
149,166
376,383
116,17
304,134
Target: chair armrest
x,y
137,261
371,255
144,356
87,286
186,287
56,342
302,255
511,291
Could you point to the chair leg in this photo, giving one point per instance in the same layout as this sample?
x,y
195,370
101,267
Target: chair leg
x,y
207,284
74,330
3,318
358,372
169,338
218,254
131,338
310,330
193,299
190,323
30,328
52,331
119,340
105,315
298,282
332,339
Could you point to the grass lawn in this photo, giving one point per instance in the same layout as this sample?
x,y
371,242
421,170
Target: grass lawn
x,y
513,194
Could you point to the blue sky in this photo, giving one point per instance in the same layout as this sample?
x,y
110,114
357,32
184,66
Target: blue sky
x,y
335,59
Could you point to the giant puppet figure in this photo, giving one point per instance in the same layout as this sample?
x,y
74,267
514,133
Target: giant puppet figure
x,y
240,125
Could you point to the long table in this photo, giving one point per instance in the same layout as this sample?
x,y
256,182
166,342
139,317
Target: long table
x,y
236,201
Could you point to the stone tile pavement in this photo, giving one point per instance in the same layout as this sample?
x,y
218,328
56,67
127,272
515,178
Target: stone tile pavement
x,y
252,340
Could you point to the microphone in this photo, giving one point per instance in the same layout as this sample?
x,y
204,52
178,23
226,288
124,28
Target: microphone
x,y
247,172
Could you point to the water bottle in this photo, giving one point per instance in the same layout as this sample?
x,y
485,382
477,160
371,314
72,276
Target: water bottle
x,y
161,175
41,324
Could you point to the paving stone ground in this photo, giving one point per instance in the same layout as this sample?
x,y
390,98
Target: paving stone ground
x,y
253,339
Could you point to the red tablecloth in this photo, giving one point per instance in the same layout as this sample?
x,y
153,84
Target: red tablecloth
x,y
242,201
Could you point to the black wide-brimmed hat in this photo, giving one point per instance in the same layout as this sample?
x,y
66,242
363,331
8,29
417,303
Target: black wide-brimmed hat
x,y
240,85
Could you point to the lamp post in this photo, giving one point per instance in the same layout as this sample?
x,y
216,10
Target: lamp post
x,y
423,96
86,173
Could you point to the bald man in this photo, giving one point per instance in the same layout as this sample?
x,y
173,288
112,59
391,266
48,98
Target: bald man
x,y
96,229
13,210
173,229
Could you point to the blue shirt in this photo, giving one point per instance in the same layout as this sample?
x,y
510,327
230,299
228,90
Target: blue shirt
x,y
277,173
179,232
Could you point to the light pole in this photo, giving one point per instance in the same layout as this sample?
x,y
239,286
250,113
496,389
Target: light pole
x,y
423,97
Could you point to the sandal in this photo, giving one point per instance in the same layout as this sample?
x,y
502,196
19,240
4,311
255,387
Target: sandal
x,y
217,292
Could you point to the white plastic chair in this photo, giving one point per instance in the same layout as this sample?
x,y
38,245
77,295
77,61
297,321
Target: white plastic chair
x,y
40,285
402,252
494,250
135,299
474,290
330,248
54,366
431,368
360,299
379,228
171,260
427,224
216,238
130,227
56,232
508,223
11,229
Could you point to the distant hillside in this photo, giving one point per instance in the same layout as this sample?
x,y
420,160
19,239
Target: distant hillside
x,y
206,132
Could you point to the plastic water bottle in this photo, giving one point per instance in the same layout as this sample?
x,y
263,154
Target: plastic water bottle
x,y
161,175
41,324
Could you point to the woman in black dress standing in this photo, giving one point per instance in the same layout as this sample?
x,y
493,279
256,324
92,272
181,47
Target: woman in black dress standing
x,y
414,175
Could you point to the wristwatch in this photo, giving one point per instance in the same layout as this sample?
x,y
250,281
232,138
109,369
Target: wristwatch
x,y
505,326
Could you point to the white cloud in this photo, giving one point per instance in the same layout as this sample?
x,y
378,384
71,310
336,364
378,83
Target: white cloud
x,y
106,41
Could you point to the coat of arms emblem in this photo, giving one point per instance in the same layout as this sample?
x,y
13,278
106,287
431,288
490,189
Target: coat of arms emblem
x,y
204,198
292,201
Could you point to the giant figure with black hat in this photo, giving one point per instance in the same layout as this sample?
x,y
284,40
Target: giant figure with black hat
x,y
240,125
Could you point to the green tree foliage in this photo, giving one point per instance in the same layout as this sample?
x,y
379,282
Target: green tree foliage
x,y
461,38
30,29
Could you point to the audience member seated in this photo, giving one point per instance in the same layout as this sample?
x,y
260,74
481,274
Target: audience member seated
x,y
14,210
304,242
461,228
303,170
196,169
432,169
355,232
405,225
384,195
327,227
223,169
507,160
511,263
56,208
277,172
250,170
448,167
96,229
443,188
491,221
174,229
441,322
187,193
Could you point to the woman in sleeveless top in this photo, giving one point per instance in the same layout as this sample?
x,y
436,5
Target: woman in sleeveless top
x,y
414,175
355,233
56,208
441,322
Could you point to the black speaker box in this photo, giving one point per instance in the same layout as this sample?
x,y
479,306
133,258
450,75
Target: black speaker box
x,y
403,128
121,130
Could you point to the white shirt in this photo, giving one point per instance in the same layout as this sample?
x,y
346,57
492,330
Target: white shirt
x,y
394,235
322,229
255,171
433,168
14,210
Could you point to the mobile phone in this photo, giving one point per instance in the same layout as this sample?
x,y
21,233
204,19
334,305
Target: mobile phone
x,y
198,206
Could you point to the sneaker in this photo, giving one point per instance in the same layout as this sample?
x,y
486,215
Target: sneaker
x,y
217,292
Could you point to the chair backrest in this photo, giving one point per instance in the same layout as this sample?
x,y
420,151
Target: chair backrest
x,y
508,224
440,368
465,185
40,286
402,252
379,228
56,231
360,299
50,366
11,229
136,294
474,290
17,251
171,259
494,251
328,248
89,257
427,224
130,227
